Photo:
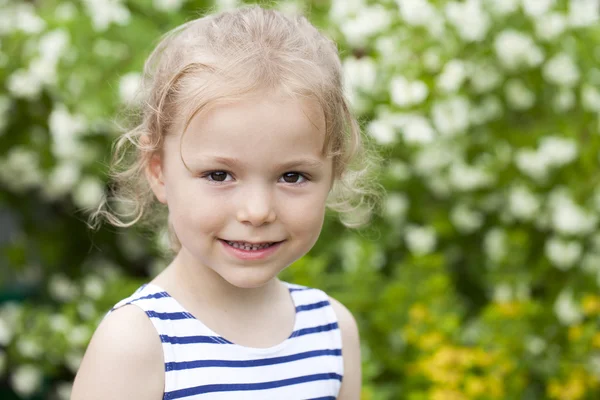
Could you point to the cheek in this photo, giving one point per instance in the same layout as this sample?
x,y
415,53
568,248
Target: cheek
x,y
304,217
198,211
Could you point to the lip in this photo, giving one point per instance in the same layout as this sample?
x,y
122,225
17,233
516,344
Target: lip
x,y
251,254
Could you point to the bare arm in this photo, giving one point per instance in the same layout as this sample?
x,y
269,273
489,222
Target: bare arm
x,y
123,361
352,382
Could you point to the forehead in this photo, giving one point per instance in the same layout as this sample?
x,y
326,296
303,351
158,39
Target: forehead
x,y
258,126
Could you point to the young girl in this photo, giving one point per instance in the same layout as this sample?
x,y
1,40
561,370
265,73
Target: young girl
x,y
245,135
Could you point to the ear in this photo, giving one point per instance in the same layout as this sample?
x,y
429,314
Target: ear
x,y
155,176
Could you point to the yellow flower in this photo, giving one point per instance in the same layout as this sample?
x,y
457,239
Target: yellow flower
x,y
590,304
510,309
475,386
575,332
572,389
418,313
430,341
596,340
446,394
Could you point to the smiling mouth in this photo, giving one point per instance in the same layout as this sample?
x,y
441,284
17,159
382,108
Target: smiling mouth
x,y
249,246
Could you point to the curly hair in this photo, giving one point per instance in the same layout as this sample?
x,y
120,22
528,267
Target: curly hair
x,y
221,58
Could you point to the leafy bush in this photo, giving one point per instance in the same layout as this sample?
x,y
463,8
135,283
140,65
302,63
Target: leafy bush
x,y
480,278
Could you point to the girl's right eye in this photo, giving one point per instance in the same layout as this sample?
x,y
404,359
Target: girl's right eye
x,y
217,176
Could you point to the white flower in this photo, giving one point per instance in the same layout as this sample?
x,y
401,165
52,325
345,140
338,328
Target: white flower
x,y
396,205
431,60
20,171
566,308
65,128
594,364
93,287
26,20
561,70
564,100
53,44
360,73
73,360
466,178
359,80
469,19
168,5
59,323
430,159
590,98
418,130
567,217
407,93
590,263
452,77
536,8
515,50
24,84
583,13
484,77
5,105
451,116
6,333
522,203
106,12
29,348
465,219
420,240
502,8
61,288
129,87
518,96
369,22
65,12
339,11
87,311
62,179
439,186
503,293
63,390
535,345
399,171
563,254
2,362
550,26
558,151
382,131
88,193
417,12
532,164
26,380
79,335
488,109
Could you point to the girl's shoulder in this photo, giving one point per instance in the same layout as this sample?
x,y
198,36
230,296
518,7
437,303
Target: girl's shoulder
x,y
123,359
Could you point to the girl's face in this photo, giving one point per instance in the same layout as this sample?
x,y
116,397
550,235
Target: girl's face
x,y
253,199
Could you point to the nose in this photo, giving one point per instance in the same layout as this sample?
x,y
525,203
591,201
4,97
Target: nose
x,y
256,207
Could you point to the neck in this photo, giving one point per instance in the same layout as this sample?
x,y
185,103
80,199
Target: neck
x,y
201,284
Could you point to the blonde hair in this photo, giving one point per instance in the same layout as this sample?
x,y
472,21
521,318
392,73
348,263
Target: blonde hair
x,y
222,58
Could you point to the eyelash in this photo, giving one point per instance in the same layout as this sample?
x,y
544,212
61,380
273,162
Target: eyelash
x,y
207,176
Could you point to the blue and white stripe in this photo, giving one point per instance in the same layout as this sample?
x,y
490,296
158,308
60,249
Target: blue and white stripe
x,y
200,364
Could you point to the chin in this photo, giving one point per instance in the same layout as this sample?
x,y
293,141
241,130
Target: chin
x,y
249,279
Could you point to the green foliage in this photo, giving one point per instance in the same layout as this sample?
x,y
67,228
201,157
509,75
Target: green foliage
x,y
480,278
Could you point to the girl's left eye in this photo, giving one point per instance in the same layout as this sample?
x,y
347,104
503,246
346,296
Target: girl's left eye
x,y
293,177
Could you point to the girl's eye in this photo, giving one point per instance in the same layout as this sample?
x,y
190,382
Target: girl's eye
x,y
293,177
217,176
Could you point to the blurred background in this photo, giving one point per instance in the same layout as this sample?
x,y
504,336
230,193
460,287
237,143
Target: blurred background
x,y
480,279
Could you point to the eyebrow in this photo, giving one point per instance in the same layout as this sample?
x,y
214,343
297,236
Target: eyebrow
x,y
234,162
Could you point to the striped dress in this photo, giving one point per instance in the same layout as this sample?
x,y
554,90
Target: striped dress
x,y
200,364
